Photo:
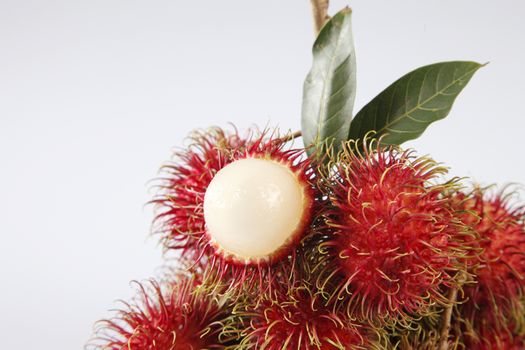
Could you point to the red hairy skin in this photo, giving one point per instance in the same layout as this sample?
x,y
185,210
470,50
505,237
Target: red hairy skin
x,y
422,334
394,242
510,339
180,218
168,317
294,319
495,299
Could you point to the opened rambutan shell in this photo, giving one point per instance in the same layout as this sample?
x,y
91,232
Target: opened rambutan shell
x,y
168,316
393,242
214,179
180,219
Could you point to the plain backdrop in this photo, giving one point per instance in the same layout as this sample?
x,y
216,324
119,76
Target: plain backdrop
x,y
95,94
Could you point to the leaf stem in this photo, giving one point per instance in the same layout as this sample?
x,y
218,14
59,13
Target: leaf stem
x,y
320,13
447,314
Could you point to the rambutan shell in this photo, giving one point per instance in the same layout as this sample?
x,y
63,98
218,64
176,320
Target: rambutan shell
x,y
393,244
167,316
494,300
294,319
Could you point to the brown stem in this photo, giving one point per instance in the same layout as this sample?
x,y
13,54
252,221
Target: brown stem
x,y
320,13
296,135
292,136
447,314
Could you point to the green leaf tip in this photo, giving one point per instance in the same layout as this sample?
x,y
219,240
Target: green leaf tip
x,y
346,10
405,109
329,88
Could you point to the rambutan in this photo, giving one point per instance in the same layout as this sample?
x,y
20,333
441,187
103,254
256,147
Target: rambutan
x,y
495,298
240,205
393,242
512,338
424,333
293,318
168,316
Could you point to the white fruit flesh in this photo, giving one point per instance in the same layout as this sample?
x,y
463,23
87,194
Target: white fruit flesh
x,y
252,207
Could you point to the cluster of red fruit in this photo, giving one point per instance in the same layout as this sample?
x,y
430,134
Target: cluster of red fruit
x,y
370,248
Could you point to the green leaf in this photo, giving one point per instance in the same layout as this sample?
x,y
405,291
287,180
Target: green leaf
x,y
329,88
406,108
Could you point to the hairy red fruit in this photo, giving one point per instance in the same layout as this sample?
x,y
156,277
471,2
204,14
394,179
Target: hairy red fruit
x,y
491,339
496,297
184,199
294,319
168,317
394,240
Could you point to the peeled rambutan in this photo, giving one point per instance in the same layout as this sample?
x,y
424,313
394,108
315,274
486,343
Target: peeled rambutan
x,y
494,300
240,205
168,316
393,241
293,318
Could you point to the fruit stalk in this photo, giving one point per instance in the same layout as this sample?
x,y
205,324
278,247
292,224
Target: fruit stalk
x,y
292,136
320,13
447,314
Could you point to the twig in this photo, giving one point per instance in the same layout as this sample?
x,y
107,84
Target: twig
x,y
296,135
447,314
292,136
320,13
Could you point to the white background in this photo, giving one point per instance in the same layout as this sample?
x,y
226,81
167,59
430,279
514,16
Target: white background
x,y
94,95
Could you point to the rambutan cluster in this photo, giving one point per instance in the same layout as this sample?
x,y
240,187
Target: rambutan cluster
x,y
371,248
349,242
